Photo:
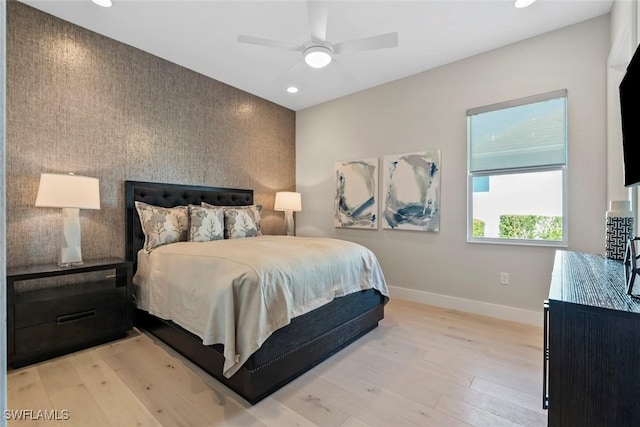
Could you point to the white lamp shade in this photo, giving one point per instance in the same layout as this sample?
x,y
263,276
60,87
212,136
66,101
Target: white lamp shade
x,y
68,191
288,201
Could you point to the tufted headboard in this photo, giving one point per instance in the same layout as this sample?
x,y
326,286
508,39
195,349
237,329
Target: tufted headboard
x,y
169,195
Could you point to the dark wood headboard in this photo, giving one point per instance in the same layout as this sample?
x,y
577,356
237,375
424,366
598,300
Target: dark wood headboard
x,y
169,195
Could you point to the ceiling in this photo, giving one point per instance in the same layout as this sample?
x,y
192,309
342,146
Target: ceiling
x,y
202,36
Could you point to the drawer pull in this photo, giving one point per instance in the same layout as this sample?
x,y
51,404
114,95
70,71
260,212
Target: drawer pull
x,y
67,318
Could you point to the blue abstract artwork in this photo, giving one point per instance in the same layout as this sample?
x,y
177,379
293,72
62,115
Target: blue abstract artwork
x,y
411,184
356,199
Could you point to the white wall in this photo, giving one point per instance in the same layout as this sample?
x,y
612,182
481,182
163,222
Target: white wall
x,y
623,42
428,110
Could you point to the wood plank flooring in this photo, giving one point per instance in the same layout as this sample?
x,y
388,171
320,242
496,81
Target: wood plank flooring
x,y
423,366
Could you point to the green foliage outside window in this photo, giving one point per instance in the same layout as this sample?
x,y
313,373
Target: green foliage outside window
x,y
478,228
533,227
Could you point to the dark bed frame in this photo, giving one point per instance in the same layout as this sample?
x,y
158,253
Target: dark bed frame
x,y
290,351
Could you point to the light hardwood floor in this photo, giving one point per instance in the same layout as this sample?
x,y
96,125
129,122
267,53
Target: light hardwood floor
x,y
423,366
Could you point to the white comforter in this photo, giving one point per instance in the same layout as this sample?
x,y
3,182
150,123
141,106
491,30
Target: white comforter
x,y
237,292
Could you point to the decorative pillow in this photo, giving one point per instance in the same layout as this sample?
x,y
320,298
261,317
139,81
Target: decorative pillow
x,y
240,221
207,223
162,226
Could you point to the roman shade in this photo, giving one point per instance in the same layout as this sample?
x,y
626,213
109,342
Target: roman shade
x,y
530,132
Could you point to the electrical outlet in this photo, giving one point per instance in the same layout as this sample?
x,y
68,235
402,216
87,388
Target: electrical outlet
x,y
504,278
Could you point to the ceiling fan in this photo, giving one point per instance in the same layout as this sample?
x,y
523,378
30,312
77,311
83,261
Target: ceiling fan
x,y
318,51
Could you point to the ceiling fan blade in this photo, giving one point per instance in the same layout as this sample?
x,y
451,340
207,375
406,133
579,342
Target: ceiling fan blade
x,y
340,72
317,20
368,43
268,43
291,77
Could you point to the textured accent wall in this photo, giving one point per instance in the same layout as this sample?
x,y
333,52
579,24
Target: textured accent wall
x,y
80,102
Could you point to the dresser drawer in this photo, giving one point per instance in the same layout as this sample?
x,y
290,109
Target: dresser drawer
x,y
37,312
70,330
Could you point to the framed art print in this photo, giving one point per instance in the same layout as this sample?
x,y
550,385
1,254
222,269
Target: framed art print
x,y
411,191
356,194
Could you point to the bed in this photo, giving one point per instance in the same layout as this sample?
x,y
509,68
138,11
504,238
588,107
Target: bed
x,y
289,351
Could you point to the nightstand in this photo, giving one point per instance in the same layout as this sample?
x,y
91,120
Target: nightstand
x,y
88,305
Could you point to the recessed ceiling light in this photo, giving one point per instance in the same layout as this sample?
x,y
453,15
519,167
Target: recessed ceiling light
x,y
103,3
292,89
317,56
520,3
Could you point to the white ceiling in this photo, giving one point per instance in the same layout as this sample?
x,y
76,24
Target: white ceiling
x,y
202,36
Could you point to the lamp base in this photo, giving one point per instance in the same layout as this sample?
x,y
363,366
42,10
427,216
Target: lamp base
x,y
289,224
70,250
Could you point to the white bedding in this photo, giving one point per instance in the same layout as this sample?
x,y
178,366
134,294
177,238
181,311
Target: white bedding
x,y
237,292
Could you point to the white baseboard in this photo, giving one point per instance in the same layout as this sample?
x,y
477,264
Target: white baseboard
x,y
504,312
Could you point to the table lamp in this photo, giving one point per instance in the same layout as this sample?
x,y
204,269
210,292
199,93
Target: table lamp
x,y
288,202
71,193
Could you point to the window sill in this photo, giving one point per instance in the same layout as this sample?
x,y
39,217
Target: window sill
x,y
549,244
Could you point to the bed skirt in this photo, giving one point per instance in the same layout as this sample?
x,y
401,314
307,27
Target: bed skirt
x,y
288,353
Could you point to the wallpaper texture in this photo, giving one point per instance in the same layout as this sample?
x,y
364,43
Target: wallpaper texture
x,y
83,103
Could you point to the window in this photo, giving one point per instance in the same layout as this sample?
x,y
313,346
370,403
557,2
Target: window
x,y
517,171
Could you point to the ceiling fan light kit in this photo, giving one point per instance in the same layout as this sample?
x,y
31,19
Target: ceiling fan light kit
x,y
103,3
318,56
523,3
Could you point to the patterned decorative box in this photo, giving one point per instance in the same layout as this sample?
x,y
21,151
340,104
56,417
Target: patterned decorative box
x,y
619,228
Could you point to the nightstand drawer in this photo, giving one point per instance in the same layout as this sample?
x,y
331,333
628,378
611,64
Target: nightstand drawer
x,y
35,312
71,329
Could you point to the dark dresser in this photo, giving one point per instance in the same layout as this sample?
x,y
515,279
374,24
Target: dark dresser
x,y
592,344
